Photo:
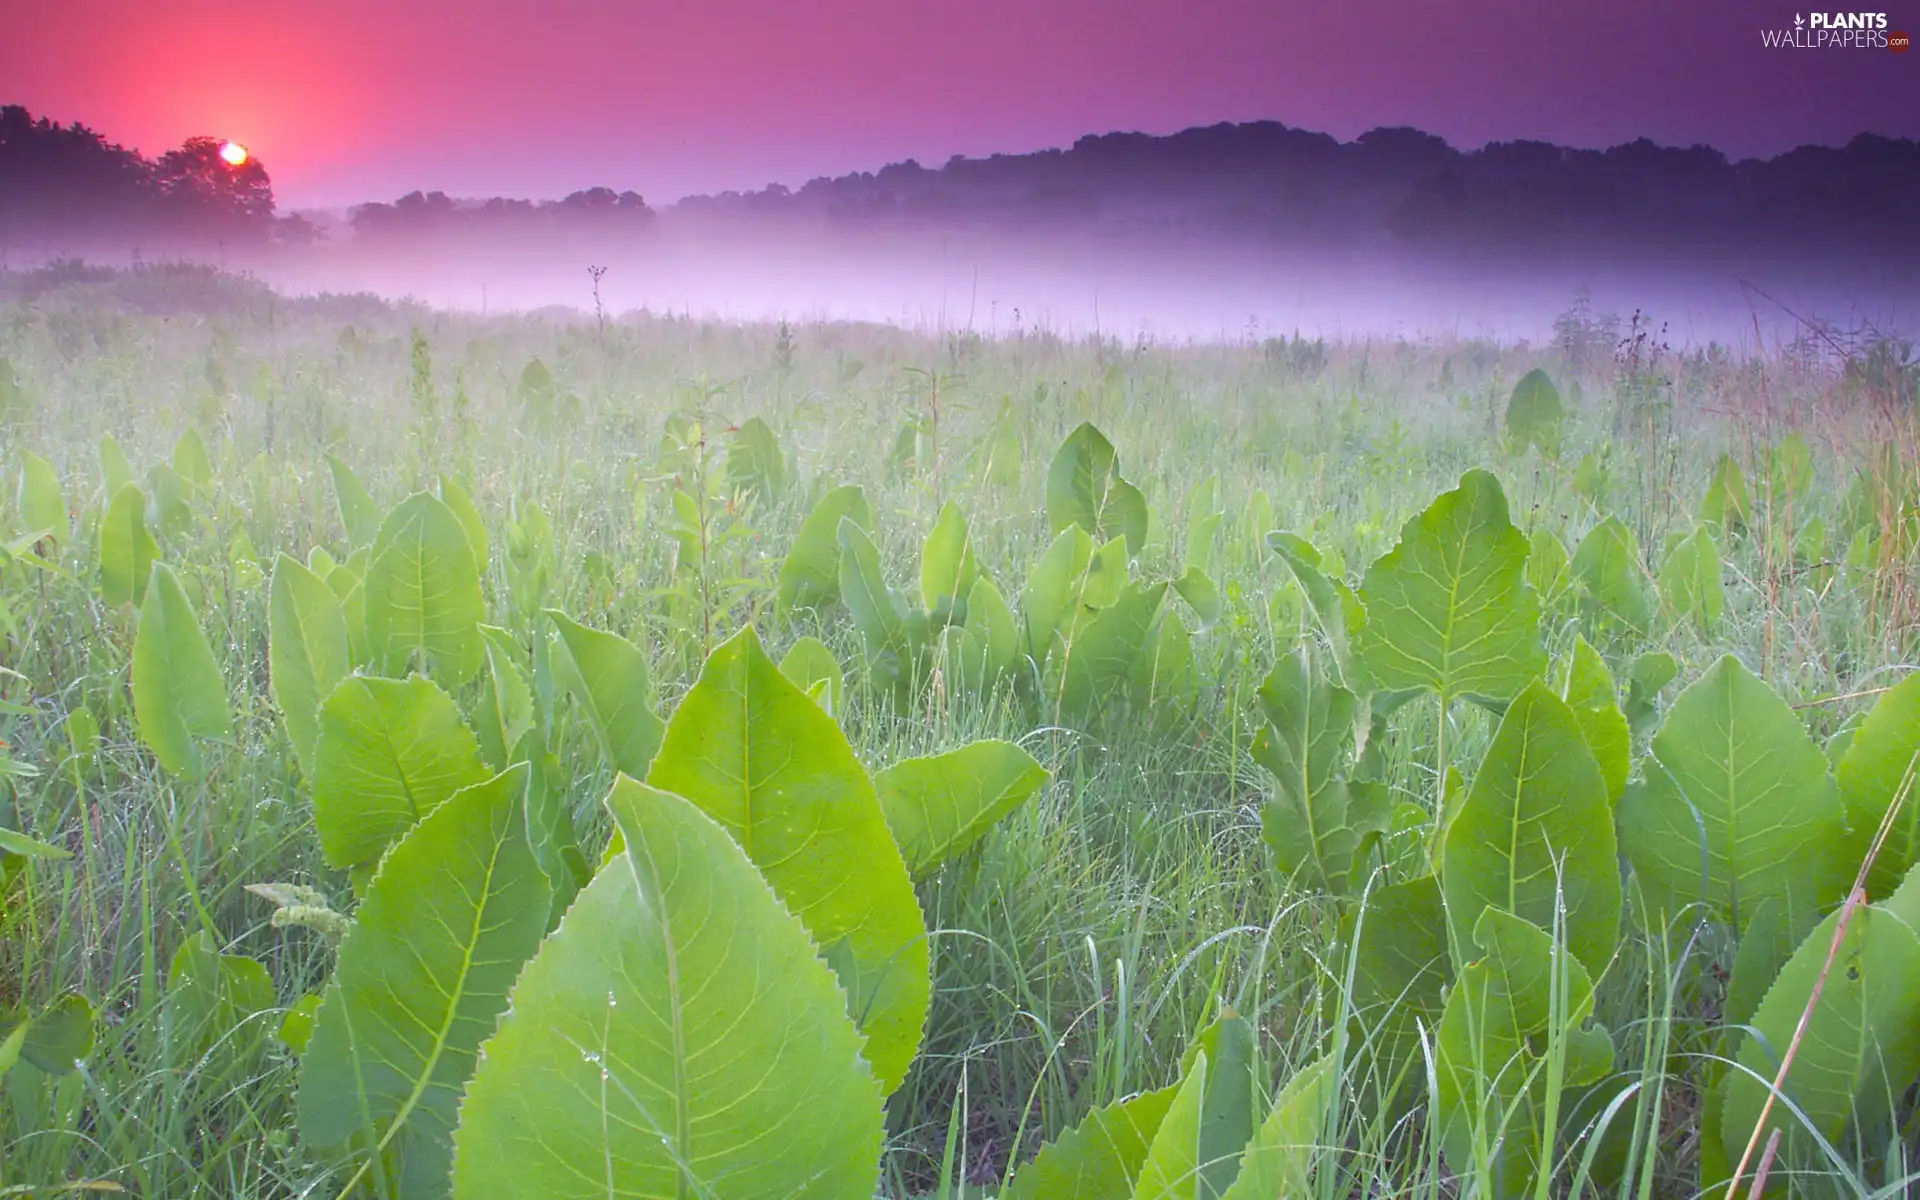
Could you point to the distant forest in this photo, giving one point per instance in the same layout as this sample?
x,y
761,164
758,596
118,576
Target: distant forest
x,y
1261,181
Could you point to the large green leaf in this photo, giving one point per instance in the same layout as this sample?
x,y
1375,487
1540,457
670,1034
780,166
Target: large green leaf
x,y
1099,1158
390,752
1048,599
455,911
1492,1042
810,575
359,515
1102,653
59,1035
811,664
214,1005
1861,1048
127,548
1734,765
1316,823
677,1037
1884,752
1535,414
939,806
43,506
1588,688
308,653
948,568
879,611
1726,505
775,771
179,694
423,592
755,465
1401,968
115,471
1612,580
992,633
1230,1051
191,461
1330,599
504,714
460,502
1690,581
608,676
1084,488
1174,1165
1448,608
1279,1160
1534,836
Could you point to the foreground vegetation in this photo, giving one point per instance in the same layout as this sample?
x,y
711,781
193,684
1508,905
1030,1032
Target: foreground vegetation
x,y
519,756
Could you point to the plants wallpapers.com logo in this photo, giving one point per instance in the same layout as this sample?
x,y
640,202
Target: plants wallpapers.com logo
x,y
1837,31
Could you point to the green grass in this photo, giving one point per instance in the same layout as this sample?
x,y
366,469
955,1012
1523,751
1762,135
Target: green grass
x,y
1100,927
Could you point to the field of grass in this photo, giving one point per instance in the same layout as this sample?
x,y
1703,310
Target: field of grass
x,y
1405,828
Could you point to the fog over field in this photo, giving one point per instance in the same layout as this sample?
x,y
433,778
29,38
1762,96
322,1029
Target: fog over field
x,y
1078,282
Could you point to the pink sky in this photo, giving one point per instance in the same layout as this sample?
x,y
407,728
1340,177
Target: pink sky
x,y
362,99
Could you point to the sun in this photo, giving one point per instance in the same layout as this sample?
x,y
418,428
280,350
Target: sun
x,y
234,154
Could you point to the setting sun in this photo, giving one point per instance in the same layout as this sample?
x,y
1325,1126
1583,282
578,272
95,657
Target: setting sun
x,y
234,154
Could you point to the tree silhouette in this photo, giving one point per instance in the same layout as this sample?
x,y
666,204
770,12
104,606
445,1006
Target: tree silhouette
x,y
195,177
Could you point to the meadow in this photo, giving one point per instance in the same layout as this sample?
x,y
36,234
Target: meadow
x,y
560,755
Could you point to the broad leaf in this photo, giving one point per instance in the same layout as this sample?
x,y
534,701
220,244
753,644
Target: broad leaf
x,y
608,676
1101,655
1448,608
1230,1052
504,714
1534,836
879,612
1736,804
1588,688
1883,758
42,505
810,575
1173,1167
60,1035
308,653
811,664
939,806
454,912
1316,823
1612,580
460,503
1100,1158
179,695
1401,967
755,465
676,1037
127,549
1279,1160
1049,597
1535,414
755,754
1690,582
1084,488
1726,506
359,515
948,569
1861,1047
390,752
423,592
1492,1041
992,631
1329,598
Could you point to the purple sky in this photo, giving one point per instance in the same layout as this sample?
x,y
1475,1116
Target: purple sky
x,y
349,100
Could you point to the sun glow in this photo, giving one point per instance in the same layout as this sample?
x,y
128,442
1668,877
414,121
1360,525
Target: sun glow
x,y
234,154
